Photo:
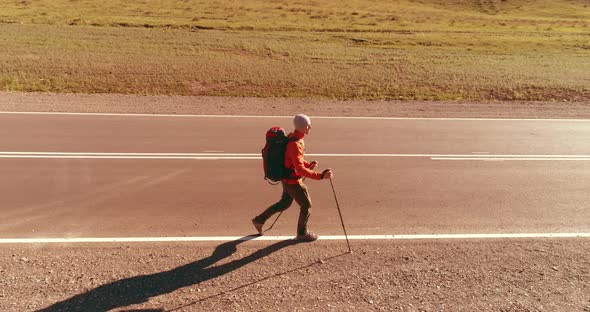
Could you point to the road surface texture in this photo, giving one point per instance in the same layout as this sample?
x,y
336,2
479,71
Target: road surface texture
x,y
122,176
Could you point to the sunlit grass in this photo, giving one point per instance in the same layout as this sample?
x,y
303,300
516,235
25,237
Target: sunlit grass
x,y
349,15
460,49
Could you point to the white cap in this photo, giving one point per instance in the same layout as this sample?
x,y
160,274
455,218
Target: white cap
x,y
301,121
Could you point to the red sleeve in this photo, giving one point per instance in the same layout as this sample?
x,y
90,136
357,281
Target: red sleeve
x,y
299,164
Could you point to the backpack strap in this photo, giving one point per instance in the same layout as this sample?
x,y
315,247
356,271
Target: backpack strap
x,y
289,170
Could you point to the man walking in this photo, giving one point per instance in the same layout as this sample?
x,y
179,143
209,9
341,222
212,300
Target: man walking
x,y
293,187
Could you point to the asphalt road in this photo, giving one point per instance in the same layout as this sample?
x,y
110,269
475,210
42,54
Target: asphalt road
x,y
431,176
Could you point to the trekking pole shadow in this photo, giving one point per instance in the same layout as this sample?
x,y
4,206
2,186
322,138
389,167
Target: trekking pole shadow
x,y
139,289
256,281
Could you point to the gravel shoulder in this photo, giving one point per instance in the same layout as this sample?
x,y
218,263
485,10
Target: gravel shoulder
x,y
479,275
115,103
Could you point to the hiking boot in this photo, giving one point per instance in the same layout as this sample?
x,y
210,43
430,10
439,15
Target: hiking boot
x,y
258,226
309,236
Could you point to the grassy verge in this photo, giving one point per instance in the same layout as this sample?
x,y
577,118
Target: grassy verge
x,y
460,49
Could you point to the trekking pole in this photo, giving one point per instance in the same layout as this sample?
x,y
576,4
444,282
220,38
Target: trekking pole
x,y
340,214
273,224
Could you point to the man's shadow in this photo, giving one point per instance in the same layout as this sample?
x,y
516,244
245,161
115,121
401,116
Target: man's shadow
x,y
140,288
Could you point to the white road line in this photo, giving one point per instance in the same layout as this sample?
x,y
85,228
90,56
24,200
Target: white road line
x,y
511,158
278,238
132,154
131,157
260,158
254,156
315,117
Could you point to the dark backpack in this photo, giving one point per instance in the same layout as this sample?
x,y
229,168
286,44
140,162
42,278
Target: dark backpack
x,y
273,155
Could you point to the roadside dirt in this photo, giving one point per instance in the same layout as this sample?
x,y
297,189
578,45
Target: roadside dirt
x,y
481,275
113,103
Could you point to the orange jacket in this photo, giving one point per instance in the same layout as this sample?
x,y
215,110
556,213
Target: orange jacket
x,y
294,160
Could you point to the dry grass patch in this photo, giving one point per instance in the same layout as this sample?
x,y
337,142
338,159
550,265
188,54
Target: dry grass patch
x,y
460,49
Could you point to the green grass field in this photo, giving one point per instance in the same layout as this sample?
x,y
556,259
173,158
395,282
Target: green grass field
x,y
406,49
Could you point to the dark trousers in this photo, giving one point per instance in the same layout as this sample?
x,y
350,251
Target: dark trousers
x,y
297,192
